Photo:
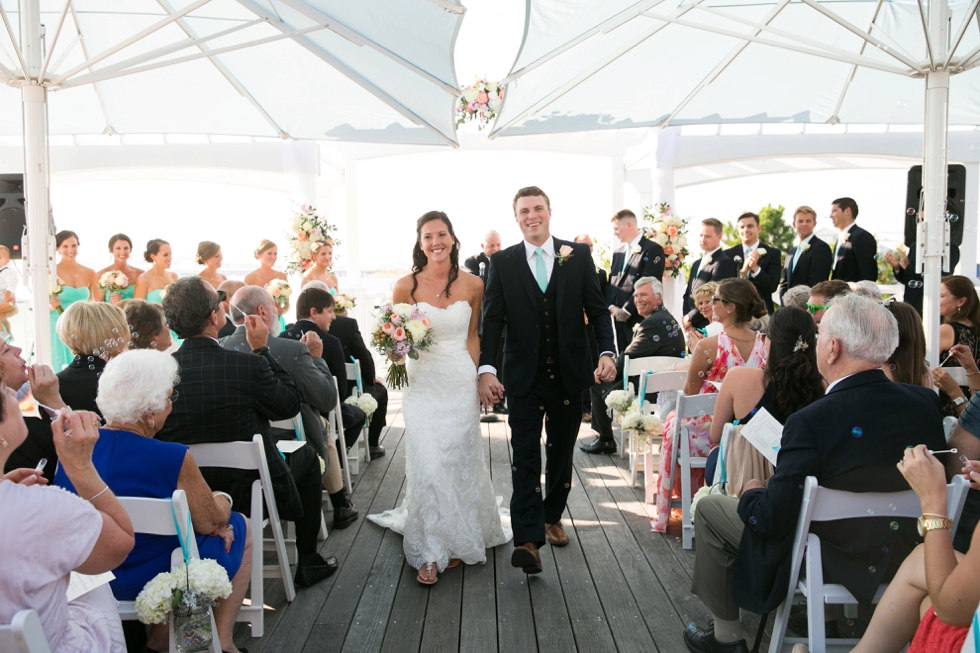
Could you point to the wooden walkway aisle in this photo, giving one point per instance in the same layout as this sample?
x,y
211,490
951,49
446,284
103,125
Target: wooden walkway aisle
x,y
617,586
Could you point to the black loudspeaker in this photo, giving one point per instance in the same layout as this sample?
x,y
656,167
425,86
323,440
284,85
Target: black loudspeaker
x,y
13,218
955,201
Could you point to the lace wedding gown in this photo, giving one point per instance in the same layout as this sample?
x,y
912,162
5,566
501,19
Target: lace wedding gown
x,y
449,509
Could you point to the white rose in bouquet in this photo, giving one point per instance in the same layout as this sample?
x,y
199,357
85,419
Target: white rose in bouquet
x,y
494,102
471,94
660,225
661,239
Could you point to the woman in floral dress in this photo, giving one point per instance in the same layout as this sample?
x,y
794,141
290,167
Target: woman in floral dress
x,y
736,302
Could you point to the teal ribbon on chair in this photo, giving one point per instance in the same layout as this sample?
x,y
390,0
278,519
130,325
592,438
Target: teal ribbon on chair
x,y
185,546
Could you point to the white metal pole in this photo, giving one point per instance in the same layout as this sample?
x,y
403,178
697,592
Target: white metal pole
x,y
36,178
934,179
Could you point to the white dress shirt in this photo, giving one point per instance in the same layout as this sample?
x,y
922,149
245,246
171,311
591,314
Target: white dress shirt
x,y
8,278
748,249
711,254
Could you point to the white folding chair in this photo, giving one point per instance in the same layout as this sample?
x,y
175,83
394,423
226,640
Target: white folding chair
x,y
23,634
820,505
635,367
361,445
294,424
335,426
667,385
687,407
949,423
251,456
164,517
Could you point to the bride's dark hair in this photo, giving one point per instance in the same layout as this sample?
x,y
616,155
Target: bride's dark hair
x,y
420,260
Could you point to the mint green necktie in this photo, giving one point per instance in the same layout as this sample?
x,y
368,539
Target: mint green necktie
x,y
796,257
539,271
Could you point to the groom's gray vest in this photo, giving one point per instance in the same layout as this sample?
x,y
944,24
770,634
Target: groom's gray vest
x,y
548,319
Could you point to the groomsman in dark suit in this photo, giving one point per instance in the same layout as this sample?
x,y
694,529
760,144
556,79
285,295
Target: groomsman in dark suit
x,y
808,263
636,257
854,253
714,265
757,261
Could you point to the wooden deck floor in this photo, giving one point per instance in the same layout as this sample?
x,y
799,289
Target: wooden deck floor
x,y
617,586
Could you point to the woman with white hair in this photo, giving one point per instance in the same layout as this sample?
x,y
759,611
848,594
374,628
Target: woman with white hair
x,y
135,396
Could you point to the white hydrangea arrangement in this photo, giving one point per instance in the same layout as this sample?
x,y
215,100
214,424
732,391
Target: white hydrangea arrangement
x,y
644,427
619,401
365,402
188,587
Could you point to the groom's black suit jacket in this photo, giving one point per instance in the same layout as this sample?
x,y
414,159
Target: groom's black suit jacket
x,y
511,302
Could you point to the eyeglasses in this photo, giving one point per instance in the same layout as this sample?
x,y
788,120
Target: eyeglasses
x,y
222,295
173,396
813,308
717,299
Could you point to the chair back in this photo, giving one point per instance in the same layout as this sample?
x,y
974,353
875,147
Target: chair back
x,y
354,372
824,504
294,424
694,406
23,634
162,517
635,366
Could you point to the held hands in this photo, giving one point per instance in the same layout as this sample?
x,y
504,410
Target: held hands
x,y
927,477
44,385
606,371
314,343
256,332
491,390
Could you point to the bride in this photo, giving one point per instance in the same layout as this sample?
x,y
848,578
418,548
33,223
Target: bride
x,y
449,514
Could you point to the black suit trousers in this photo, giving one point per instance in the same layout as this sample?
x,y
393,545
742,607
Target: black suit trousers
x,y
561,414
305,469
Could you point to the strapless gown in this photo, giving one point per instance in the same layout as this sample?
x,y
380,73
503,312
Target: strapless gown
x,y
156,297
61,356
449,510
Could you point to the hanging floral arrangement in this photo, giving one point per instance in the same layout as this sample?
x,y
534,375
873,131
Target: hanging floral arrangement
x,y
479,102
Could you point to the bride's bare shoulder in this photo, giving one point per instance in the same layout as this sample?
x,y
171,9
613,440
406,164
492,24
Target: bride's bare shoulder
x,y
403,289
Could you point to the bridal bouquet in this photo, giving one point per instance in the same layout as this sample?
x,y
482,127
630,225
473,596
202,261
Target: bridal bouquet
x,y
113,281
645,428
667,230
280,291
479,102
402,332
306,228
54,289
365,402
342,304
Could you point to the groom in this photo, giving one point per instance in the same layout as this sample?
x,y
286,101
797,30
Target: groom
x,y
539,290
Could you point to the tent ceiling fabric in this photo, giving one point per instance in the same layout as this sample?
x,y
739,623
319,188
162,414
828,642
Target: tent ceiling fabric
x,y
585,65
311,69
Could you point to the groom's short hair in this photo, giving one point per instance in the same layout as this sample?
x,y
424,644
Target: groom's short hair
x,y
531,191
625,215
312,299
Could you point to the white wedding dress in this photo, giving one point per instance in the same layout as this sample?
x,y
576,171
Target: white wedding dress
x,y
449,510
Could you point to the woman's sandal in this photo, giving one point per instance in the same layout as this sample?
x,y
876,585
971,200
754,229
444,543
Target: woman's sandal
x,y
454,562
428,575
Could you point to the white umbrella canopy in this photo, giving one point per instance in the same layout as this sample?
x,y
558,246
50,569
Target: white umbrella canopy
x,y
358,70
303,69
628,63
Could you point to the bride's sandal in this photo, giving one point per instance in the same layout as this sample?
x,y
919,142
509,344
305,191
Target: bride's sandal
x,y
454,562
428,574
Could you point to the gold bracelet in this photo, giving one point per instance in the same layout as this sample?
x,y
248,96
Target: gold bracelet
x,y
932,514
973,373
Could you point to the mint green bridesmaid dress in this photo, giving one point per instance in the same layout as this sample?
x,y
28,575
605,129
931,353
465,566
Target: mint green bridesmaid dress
x,y
61,356
156,297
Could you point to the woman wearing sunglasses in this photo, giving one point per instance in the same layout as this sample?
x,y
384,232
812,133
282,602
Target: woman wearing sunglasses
x,y
735,303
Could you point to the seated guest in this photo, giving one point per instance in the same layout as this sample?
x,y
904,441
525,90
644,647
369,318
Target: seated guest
x,y
38,444
135,399
314,311
865,288
966,439
934,582
849,440
796,296
704,298
229,287
87,328
149,326
790,381
302,361
820,296
658,334
345,329
907,364
49,533
714,265
229,396
959,309
736,302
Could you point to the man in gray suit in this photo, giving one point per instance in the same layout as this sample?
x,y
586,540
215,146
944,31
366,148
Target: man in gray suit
x,y
303,363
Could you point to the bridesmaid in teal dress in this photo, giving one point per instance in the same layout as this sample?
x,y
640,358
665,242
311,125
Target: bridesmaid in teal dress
x,y
78,283
121,248
267,254
152,283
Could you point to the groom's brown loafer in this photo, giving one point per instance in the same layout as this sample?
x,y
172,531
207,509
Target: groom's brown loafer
x,y
555,534
526,557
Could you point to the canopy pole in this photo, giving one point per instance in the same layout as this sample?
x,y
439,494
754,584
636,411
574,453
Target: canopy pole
x,y
934,234
36,177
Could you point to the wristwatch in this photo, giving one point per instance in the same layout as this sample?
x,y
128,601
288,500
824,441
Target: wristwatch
x,y
959,401
933,523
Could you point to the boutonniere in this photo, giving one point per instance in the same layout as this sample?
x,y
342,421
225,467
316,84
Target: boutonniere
x,y
706,261
636,327
564,253
636,249
804,247
762,252
845,236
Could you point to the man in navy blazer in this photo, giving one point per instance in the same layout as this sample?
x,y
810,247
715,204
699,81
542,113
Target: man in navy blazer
x,y
855,250
808,263
714,265
851,440
635,258
756,261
